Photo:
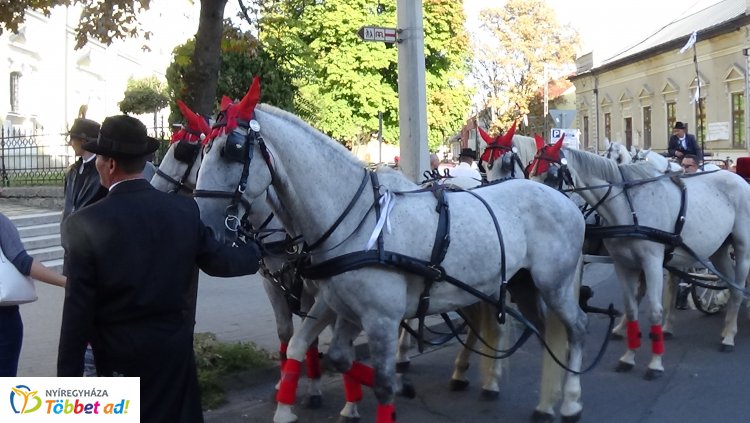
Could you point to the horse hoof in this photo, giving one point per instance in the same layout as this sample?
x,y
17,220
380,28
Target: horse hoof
x,y
403,367
487,395
572,418
652,374
345,419
623,367
615,336
459,385
539,417
725,348
408,391
315,402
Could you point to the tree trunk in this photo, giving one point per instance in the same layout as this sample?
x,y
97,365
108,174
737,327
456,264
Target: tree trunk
x,y
203,75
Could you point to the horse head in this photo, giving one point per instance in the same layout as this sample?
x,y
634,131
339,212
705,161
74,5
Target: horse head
x,y
617,151
548,165
178,170
496,149
235,150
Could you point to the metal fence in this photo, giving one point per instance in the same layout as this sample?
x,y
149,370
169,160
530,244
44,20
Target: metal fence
x,y
28,158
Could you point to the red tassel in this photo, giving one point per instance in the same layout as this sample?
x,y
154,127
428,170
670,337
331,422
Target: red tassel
x,y
363,374
289,378
634,335
352,389
312,362
386,413
657,340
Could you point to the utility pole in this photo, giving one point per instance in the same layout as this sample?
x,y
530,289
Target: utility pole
x,y
746,53
412,97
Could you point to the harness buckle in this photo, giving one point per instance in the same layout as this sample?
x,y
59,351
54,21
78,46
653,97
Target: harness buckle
x,y
439,272
232,223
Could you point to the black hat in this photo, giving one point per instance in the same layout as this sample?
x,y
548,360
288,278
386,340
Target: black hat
x,y
679,125
122,136
86,129
468,152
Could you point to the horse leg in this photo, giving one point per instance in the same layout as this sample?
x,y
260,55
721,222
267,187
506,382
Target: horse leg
x,y
402,353
490,368
283,318
563,319
668,303
341,356
739,270
312,362
320,317
620,330
652,267
382,333
628,278
459,381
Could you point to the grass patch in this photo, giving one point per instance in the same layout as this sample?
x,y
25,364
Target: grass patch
x,y
215,360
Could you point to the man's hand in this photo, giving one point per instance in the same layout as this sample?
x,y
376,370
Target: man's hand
x,y
678,154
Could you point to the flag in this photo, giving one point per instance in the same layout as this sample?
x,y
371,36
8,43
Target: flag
x,y
690,42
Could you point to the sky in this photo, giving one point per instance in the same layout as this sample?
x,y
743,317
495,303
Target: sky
x,y
608,26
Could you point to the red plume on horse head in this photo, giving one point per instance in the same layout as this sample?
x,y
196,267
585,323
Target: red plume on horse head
x,y
195,129
497,146
244,109
545,155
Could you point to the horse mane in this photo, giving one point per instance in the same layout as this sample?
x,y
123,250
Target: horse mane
x,y
322,140
398,180
607,169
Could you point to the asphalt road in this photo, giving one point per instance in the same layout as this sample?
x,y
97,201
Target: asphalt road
x,y
700,384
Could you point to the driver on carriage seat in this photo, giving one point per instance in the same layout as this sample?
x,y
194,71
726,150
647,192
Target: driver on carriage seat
x,y
464,175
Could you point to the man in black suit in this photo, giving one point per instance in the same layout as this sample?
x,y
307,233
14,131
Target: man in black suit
x,y
682,143
132,257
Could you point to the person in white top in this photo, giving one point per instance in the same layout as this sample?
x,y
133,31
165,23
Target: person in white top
x,y
464,175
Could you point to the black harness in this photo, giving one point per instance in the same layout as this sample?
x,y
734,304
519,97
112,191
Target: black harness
x,y
185,152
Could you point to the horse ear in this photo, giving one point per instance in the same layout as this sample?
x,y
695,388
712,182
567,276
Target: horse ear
x,y
225,102
247,104
554,150
507,139
485,136
194,121
539,141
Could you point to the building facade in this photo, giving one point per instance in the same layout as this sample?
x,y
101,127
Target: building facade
x,y
50,83
637,96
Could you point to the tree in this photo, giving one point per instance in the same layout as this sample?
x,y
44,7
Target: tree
x,y
108,20
147,95
516,43
348,81
240,58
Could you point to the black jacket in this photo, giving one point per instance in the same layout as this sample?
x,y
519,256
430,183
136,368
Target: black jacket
x,y
132,258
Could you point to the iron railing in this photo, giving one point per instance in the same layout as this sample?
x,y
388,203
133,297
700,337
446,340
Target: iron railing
x,y
29,158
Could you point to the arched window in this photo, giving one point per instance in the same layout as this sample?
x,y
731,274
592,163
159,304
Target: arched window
x,y
15,90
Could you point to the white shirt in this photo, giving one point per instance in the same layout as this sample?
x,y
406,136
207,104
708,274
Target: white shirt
x,y
464,176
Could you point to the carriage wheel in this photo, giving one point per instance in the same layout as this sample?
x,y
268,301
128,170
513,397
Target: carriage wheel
x,y
709,294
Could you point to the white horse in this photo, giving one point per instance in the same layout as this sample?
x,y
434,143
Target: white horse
x,y
507,156
647,206
178,172
329,195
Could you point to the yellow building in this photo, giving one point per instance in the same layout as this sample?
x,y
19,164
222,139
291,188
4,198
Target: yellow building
x,y
636,96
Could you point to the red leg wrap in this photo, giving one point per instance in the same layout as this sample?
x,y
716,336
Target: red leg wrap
x,y
352,389
386,413
634,335
363,374
312,362
289,379
657,340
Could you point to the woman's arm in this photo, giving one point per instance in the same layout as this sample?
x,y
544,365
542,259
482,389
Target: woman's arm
x,y
44,274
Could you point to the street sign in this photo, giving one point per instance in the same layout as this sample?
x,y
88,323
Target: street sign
x,y
571,137
376,33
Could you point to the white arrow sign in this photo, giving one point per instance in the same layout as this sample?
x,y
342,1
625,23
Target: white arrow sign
x,y
376,33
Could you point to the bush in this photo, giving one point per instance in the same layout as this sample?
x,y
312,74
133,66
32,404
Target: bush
x,y
215,360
